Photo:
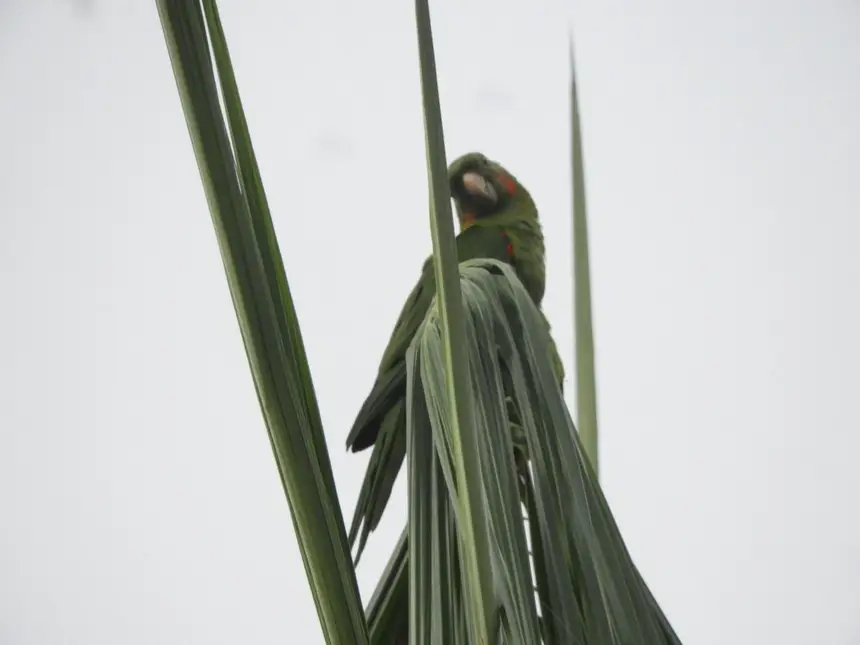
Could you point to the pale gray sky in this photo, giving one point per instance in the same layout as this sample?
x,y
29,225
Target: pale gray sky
x,y
138,494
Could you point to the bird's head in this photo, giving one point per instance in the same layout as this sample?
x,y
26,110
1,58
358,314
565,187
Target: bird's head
x,y
482,190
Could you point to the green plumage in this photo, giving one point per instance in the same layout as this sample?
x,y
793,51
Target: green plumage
x,y
498,220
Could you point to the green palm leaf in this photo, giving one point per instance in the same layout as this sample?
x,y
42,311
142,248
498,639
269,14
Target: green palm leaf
x,y
590,591
453,369
264,308
586,388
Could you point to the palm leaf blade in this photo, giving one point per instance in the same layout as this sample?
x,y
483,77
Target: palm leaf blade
x,y
586,387
264,309
589,587
464,444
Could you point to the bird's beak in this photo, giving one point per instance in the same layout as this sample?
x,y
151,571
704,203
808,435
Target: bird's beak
x,y
478,186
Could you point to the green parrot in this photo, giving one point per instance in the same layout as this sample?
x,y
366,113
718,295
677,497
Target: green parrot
x,y
498,220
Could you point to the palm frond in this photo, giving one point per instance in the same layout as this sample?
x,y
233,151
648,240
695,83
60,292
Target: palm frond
x,y
474,564
589,589
264,308
586,387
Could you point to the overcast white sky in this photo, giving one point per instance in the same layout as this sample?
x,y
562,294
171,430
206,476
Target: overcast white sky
x,y
138,494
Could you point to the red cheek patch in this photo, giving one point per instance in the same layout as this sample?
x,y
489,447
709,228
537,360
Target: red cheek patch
x,y
510,247
509,184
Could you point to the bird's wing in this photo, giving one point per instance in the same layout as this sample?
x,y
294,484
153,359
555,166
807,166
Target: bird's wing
x,y
381,422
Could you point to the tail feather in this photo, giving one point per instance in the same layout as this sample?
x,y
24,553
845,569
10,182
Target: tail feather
x,y
389,387
385,463
380,423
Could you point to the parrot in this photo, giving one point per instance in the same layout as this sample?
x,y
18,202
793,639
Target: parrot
x,y
498,220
